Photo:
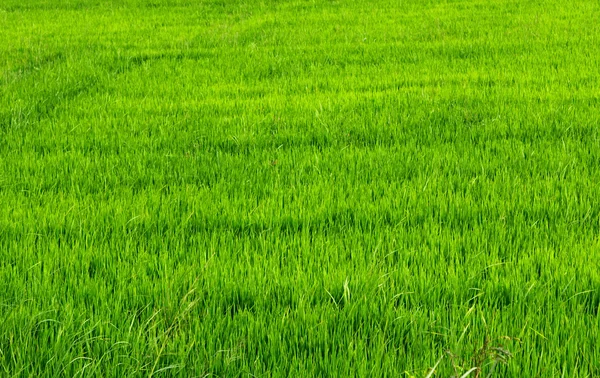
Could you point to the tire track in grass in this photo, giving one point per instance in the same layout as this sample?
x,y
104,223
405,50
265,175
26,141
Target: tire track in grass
x,y
41,105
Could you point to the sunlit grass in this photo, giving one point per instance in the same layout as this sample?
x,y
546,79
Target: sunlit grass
x,y
298,188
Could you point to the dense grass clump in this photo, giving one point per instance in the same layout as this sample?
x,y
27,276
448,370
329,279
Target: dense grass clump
x,y
299,188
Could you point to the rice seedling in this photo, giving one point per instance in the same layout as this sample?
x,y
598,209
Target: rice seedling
x,y
299,188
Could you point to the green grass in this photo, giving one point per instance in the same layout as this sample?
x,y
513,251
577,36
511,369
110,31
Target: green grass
x,y
299,188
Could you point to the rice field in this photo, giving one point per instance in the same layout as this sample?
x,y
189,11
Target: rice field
x,y
298,188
